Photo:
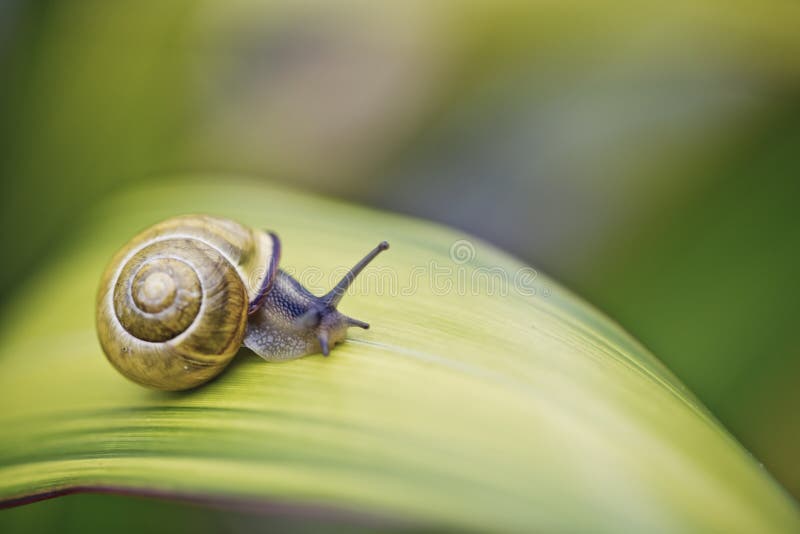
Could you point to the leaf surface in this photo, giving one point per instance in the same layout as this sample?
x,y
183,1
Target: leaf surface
x,y
485,395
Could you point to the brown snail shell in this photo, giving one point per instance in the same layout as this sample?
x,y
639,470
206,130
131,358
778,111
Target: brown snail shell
x,y
173,304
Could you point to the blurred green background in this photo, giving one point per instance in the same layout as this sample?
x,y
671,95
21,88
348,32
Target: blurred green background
x,y
648,156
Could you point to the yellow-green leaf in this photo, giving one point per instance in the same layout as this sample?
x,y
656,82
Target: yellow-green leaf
x,y
484,396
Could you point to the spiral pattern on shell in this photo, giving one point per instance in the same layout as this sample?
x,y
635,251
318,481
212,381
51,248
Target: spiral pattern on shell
x,y
173,304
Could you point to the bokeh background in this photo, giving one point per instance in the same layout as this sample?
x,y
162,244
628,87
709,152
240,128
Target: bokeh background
x,y
646,155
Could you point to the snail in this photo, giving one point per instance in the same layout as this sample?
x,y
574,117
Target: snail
x,y
178,301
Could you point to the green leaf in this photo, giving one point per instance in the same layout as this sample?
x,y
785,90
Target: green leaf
x,y
488,407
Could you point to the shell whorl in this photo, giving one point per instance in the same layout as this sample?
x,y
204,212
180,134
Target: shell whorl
x,y
158,297
173,303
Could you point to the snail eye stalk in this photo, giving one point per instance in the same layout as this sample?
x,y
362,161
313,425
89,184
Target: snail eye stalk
x,y
335,295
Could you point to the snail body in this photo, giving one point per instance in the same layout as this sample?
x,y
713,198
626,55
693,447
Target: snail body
x,y
178,301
